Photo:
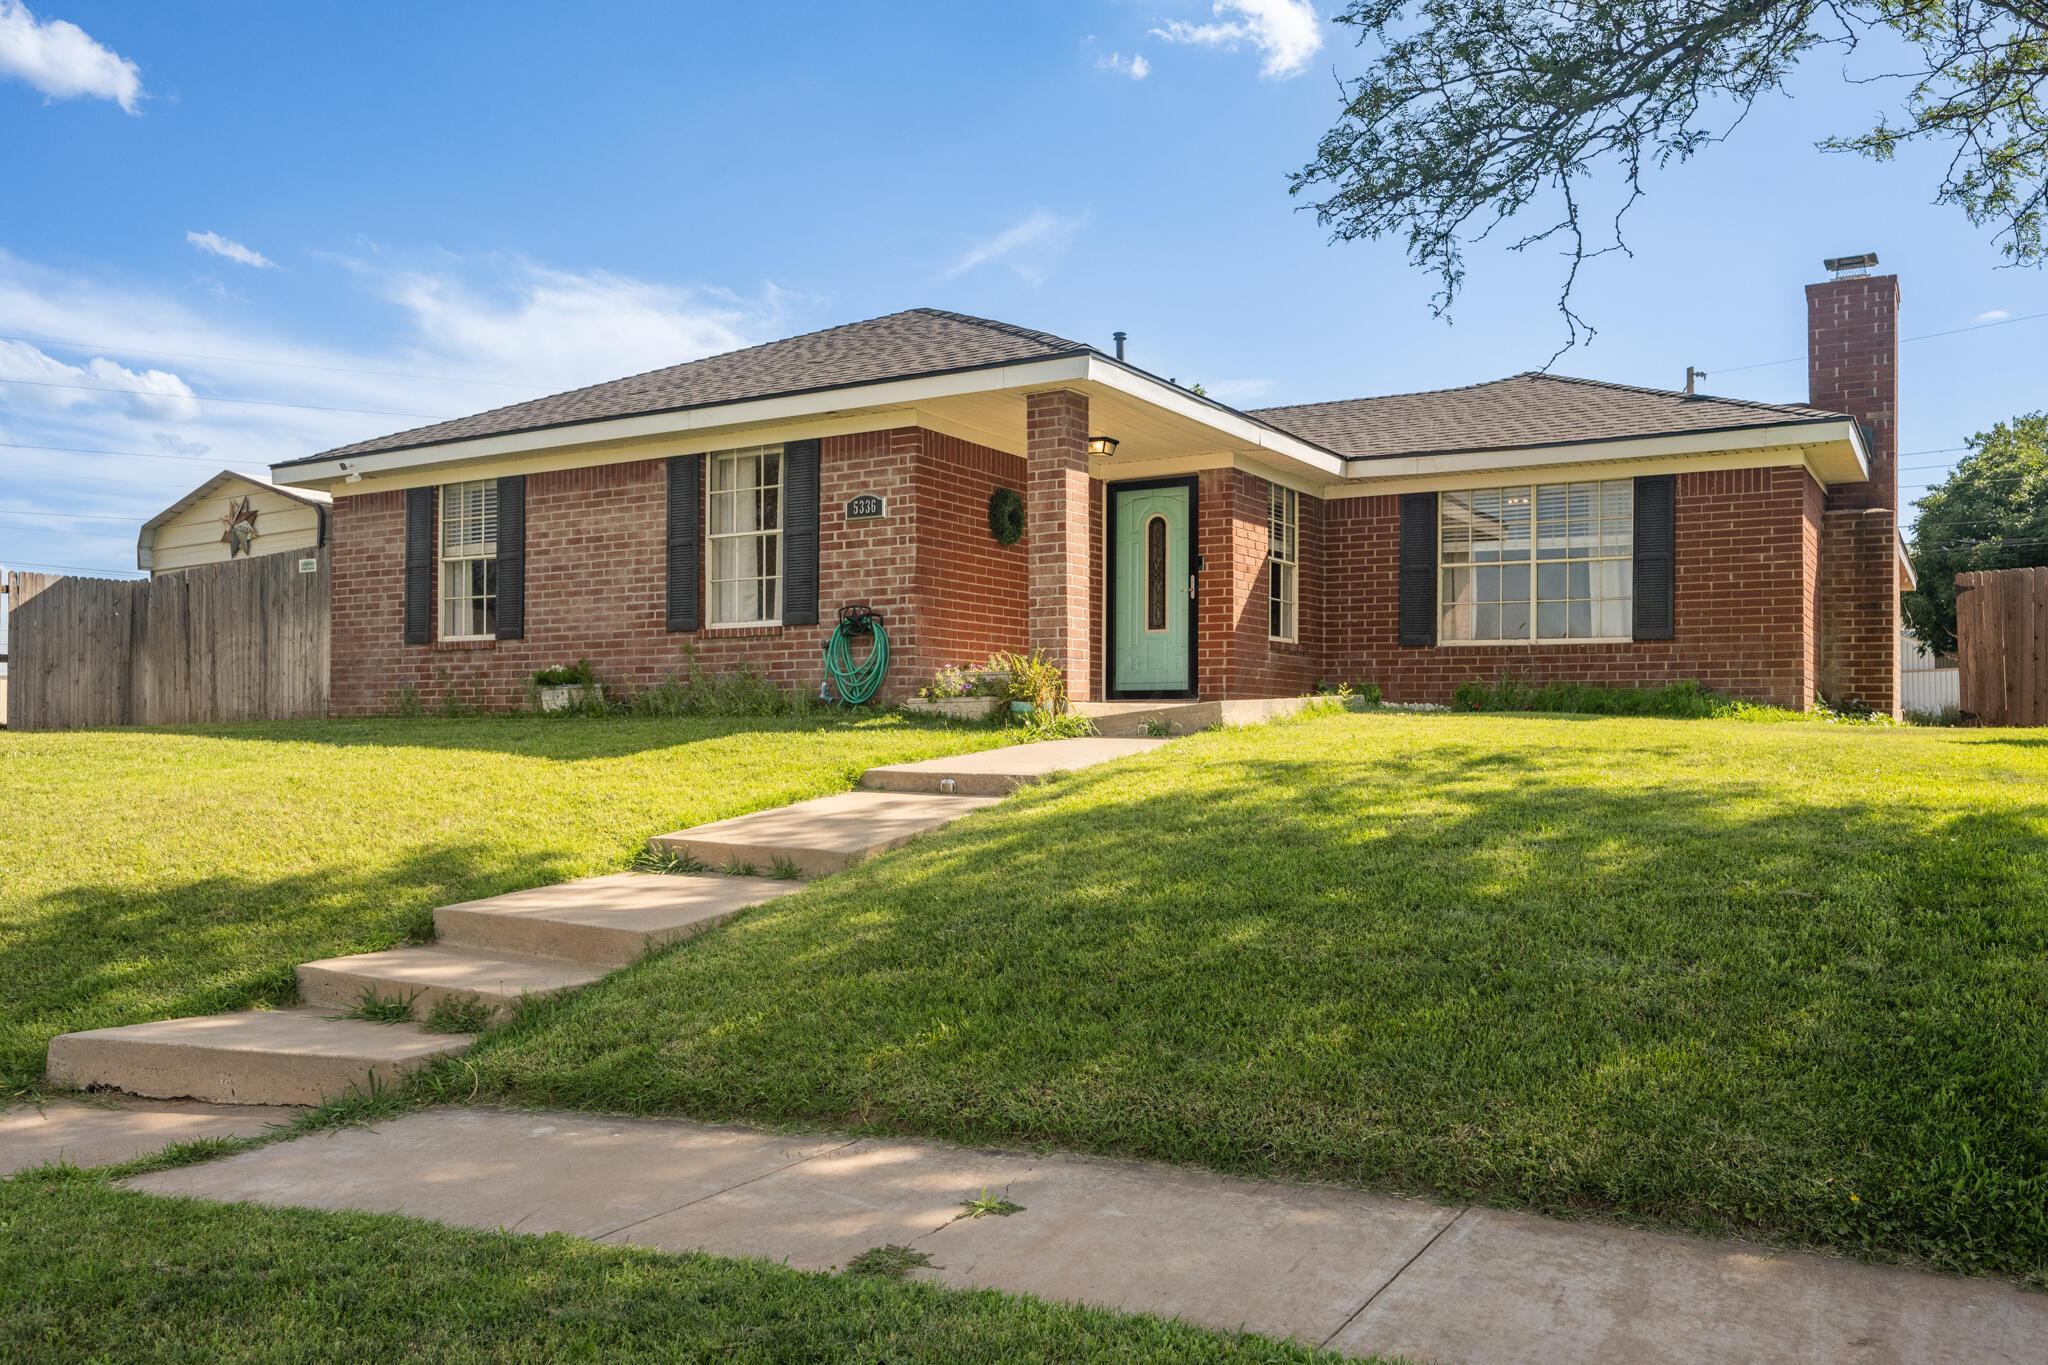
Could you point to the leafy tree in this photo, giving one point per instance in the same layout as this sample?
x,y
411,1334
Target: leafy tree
x,y
1474,110
1990,513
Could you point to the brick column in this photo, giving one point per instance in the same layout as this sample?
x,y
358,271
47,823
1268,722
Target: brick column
x,y
1853,366
1064,616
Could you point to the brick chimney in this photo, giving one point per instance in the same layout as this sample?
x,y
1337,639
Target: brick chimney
x,y
1852,366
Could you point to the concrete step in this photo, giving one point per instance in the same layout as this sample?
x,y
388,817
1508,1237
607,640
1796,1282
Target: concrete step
x,y
1125,719
821,836
426,973
602,921
998,772
294,1056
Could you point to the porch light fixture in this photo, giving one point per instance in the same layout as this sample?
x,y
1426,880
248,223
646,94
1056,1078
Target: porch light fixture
x,y
1102,445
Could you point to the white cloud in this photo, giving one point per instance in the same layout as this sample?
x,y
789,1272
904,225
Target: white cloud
x,y
231,249
45,381
62,60
457,336
1029,248
1135,66
1288,32
1995,315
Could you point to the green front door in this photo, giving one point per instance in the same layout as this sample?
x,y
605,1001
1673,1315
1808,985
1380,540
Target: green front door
x,y
1153,603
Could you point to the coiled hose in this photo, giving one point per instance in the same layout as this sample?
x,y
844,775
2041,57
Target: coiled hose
x,y
855,683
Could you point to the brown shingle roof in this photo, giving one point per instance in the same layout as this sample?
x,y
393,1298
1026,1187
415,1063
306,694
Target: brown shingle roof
x,y
920,341
1526,410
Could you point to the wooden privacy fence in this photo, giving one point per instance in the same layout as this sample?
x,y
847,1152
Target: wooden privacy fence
x,y
245,640
2002,645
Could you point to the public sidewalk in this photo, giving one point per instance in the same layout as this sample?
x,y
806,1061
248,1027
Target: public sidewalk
x,y
1357,1272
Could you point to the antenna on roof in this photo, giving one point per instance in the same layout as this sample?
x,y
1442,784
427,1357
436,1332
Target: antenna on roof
x,y
1119,344
1691,377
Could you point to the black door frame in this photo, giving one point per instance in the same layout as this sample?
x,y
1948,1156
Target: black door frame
x,y
1110,492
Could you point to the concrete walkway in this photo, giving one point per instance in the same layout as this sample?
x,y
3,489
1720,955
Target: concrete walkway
x,y
1358,1272
105,1132
492,954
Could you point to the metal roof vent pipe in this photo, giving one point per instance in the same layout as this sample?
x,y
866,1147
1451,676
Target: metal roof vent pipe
x,y
1119,336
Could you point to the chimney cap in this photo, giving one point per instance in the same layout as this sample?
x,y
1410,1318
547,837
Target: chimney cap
x,y
1843,266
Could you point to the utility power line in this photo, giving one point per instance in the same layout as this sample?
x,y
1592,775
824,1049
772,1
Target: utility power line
x,y
136,455
116,349
222,398
1924,336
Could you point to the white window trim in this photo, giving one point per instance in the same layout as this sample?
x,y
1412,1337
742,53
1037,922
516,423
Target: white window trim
x,y
1287,504
443,559
1532,640
711,538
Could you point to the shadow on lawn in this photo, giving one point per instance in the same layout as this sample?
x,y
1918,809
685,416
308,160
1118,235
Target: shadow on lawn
x,y
1721,998
92,956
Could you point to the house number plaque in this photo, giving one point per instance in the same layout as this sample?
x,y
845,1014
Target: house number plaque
x,y
866,507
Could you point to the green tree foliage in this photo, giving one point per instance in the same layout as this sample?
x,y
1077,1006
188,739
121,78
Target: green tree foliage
x,y
1472,112
1991,513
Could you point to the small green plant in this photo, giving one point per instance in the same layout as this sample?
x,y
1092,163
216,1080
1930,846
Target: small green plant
x,y
1157,727
1042,725
578,674
458,1014
1031,678
671,863
741,868
1945,716
404,701
986,1205
1850,712
783,870
888,1262
382,1009
948,684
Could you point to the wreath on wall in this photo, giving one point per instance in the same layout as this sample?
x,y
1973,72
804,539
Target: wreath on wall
x,y
1006,516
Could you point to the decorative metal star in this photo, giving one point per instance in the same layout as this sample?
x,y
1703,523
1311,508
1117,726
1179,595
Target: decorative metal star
x,y
241,524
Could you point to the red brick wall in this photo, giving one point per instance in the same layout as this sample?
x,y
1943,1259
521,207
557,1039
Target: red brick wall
x,y
1236,656
974,590
595,584
1852,366
1743,594
1060,530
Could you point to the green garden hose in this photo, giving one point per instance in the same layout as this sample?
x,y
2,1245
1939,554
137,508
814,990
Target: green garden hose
x,y
854,682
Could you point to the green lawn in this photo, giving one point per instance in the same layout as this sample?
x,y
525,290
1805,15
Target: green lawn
x,y
152,874
1788,979
88,1272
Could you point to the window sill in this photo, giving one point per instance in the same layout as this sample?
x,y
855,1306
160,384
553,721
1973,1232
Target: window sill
x,y
463,642
1542,644
754,630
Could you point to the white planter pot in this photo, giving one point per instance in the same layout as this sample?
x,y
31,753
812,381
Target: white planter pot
x,y
559,698
954,708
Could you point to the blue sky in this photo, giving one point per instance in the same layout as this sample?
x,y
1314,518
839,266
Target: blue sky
x,y
421,211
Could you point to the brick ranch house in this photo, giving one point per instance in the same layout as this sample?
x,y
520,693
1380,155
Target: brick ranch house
x,y
722,511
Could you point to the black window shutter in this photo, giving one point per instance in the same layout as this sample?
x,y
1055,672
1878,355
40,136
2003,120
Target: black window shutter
x,y
1418,569
685,585
800,533
512,557
1656,544
419,566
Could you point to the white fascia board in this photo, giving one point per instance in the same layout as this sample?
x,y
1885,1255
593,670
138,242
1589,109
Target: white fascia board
x,y
1367,471
1238,430
895,393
